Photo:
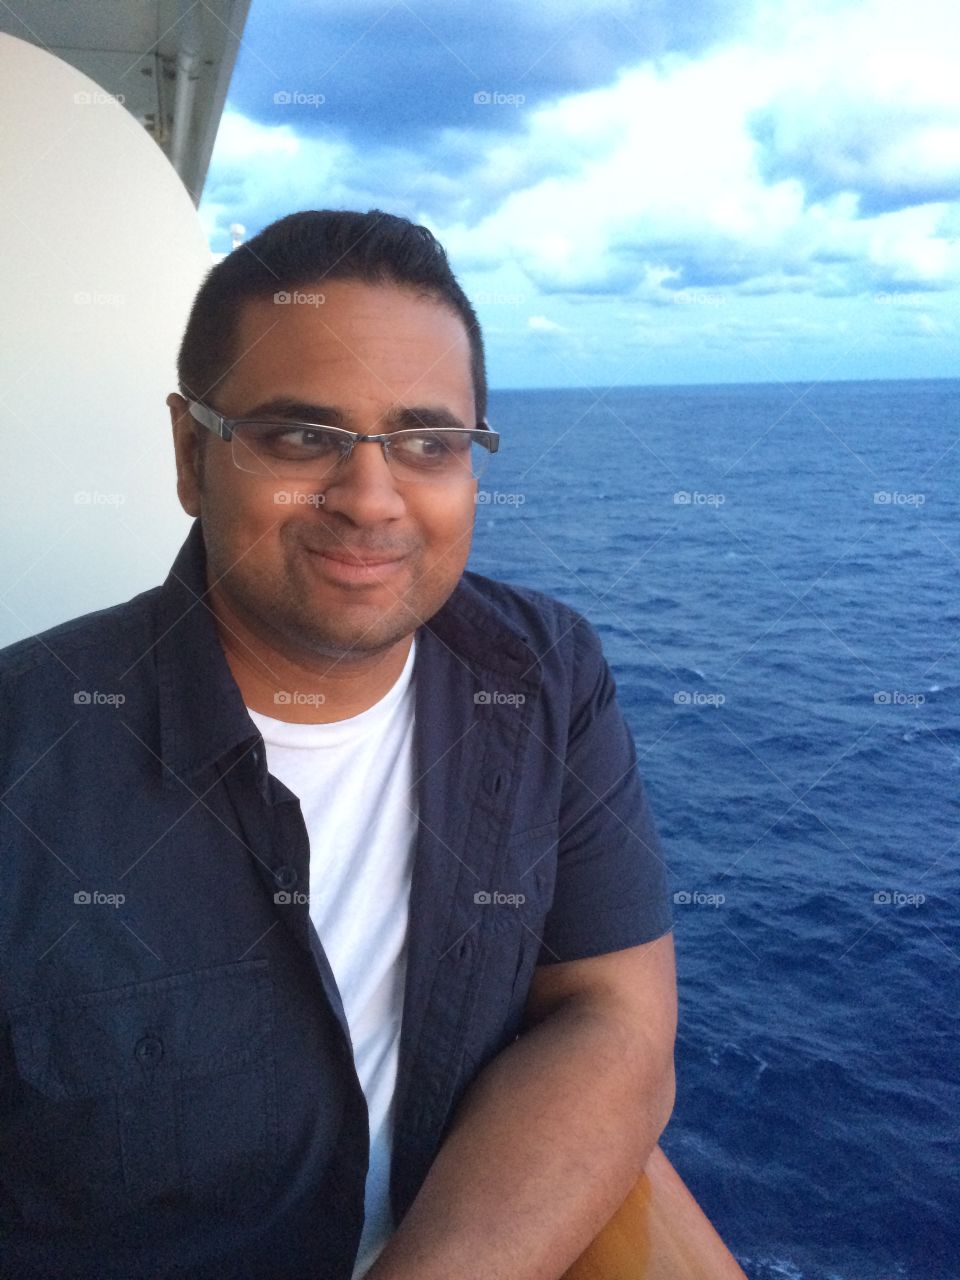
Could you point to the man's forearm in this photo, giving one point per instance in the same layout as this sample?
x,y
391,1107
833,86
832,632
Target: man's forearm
x,y
545,1147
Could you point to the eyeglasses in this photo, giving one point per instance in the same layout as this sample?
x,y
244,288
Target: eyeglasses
x,y
306,451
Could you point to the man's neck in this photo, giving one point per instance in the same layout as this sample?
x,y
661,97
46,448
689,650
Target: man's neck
x,y
318,691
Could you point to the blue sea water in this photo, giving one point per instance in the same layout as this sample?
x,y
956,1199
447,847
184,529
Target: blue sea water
x,y
775,573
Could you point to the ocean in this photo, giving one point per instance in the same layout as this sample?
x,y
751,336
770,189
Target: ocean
x,y
775,573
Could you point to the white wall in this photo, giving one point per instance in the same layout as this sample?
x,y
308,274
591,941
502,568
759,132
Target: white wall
x,y
102,251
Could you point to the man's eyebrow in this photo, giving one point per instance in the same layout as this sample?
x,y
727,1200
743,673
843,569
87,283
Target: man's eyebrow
x,y
328,415
300,410
430,418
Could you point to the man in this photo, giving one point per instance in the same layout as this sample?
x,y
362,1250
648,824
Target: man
x,y
336,933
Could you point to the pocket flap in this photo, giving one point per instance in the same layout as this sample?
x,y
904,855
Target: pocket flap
x,y
183,1026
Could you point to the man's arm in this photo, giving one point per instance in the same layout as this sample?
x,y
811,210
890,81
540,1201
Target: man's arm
x,y
552,1135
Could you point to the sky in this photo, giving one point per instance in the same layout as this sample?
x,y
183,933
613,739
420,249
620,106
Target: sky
x,y
631,192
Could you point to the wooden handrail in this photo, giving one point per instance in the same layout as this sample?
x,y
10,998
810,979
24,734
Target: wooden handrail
x,y
658,1233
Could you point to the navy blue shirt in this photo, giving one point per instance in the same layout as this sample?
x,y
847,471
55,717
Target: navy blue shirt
x,y
177,1089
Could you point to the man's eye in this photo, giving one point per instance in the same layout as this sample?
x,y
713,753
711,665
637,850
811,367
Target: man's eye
x,y
292,441
306,438
434,446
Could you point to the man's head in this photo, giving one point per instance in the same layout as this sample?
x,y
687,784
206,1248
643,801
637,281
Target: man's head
x,y
358,318
301,250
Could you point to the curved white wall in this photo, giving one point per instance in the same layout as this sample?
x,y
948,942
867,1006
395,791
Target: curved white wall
x,y
102,251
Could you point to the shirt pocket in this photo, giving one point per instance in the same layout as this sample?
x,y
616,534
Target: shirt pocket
x,y
157,1093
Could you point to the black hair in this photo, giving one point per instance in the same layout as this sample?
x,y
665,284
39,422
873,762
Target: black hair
x,y
305,248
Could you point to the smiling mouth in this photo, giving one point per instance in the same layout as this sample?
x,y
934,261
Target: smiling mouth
x,y
342,567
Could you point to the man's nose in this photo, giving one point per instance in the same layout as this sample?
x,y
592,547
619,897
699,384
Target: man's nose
x,y
363,488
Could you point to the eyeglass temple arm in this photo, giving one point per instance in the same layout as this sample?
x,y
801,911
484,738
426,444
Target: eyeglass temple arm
x,y
209,419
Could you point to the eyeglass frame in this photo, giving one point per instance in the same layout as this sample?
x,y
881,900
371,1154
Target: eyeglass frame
x,y
223,428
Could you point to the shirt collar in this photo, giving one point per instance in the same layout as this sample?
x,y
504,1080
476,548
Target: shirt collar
x,y
202,713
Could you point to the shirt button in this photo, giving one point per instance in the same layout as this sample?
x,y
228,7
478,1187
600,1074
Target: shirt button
x,y
494,780
465,950
285,877
149,1050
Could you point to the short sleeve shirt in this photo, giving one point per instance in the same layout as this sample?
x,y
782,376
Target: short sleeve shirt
x,y
178,1096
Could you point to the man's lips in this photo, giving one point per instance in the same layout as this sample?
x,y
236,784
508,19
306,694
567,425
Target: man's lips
x,y
346,557
348,567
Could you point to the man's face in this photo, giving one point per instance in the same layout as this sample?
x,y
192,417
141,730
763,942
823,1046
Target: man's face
x,y
365,353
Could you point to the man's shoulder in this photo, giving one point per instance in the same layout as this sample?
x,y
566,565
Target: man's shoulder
x,y
532,614
486,615
109,634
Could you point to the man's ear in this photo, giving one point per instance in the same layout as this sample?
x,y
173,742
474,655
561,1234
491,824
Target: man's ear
x,y
189,455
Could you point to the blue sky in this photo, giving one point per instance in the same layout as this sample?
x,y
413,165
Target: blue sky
x,y
631,191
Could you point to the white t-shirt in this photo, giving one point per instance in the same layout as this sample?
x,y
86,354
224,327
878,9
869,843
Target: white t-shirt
x,y
354,779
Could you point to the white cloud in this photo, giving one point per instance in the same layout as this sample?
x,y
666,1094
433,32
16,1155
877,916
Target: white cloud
x,y
805,166
255,164
665,185
543,324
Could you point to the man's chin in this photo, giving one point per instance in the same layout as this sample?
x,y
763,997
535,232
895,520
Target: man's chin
x,y
356,635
